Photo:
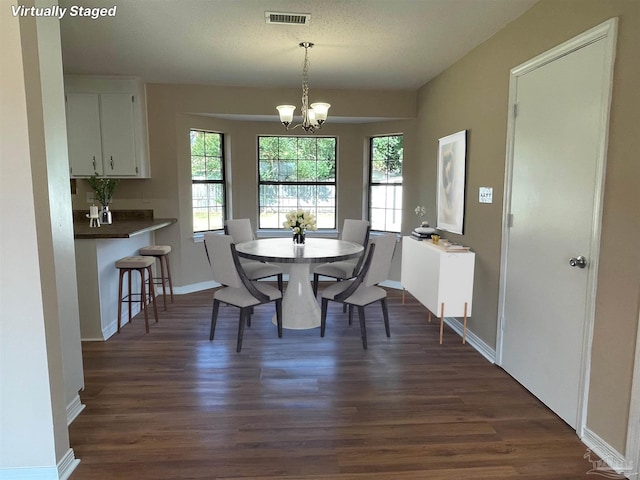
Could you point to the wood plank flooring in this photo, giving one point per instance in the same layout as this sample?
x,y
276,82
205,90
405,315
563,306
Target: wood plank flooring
x,y
172,405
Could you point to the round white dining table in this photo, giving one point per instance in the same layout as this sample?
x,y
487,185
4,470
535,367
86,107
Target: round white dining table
x,y
300,309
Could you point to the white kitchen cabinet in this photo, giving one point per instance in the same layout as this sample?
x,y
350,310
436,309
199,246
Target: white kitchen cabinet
x,y
442,281
106,128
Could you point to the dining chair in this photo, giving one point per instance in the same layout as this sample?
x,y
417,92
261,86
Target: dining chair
x,y
240,231
356,231
363,289
237,289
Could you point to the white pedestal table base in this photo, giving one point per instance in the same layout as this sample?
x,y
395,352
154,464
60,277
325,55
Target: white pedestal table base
x,y
300,309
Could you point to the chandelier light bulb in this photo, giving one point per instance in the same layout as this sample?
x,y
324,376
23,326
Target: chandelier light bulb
x,y
286,113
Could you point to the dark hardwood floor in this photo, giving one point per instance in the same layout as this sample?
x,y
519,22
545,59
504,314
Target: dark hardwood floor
x,y
172,405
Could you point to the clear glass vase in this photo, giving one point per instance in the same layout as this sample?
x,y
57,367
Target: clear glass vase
x,y
105,215
298,239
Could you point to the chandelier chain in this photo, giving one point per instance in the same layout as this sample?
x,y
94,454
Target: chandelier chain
x,y
314,115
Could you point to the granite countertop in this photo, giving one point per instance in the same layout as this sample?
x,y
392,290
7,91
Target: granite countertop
x,y
126,223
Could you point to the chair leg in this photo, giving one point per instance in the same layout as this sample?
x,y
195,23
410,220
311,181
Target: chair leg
x,y
166,262
385,315
323,316
120,299
164,286
363,328
243,313
130,297
350,314
249,313
316,278
280,282
214,317
152,294
143,298
279,316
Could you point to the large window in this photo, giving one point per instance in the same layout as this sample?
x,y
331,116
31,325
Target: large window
x,y
385,183
294,173
207,178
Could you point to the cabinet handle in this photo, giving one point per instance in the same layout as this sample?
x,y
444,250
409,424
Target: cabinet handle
x,y
94,163
111,162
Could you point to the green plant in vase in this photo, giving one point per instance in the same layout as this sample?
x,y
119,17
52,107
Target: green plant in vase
x,y
103,188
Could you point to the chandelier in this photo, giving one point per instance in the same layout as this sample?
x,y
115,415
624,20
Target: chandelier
x,y
312,116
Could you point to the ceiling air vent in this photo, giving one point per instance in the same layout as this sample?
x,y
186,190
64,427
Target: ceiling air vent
x,y
280,18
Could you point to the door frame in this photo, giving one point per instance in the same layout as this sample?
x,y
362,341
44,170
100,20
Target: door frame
x,y
607,32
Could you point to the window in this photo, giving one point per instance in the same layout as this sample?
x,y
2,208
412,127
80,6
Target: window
x,y
385,183
207,179
297,172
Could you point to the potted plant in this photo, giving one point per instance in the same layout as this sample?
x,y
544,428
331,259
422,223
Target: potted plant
x,y
103,188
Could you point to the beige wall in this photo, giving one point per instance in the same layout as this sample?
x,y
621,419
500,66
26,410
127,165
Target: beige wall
x,y
473,95
173,109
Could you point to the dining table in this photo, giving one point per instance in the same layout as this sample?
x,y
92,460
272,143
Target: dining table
x,y
300,309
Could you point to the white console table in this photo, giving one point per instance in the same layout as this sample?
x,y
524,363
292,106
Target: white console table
x,y
440,280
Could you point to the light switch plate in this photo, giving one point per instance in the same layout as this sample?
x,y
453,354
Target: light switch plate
x,y
486,195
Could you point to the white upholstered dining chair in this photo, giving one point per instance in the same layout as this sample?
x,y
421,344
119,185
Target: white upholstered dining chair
x,y
356,231
240,231
363,289
237,289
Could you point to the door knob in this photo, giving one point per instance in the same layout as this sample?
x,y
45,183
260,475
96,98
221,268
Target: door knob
x,y
578,261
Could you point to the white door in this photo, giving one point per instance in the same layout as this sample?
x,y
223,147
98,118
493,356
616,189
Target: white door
x,y
558,137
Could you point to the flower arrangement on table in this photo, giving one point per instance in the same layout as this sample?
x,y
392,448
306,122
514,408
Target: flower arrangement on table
x,y
299,221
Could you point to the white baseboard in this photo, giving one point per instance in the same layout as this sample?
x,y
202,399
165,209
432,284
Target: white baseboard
x,y
613,464
67,465
195,287
472,339
392,284
73,409
33,473
62,471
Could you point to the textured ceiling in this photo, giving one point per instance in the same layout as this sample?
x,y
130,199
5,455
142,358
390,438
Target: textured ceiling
x,y
372,44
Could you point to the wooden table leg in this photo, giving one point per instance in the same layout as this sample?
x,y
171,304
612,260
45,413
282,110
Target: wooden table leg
x,y
441,321
429,319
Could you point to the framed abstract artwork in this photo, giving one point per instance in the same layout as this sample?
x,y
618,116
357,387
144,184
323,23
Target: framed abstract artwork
x,y
452,158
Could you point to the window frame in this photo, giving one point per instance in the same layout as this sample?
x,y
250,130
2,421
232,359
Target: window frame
x,y
222,181
371,183
297,183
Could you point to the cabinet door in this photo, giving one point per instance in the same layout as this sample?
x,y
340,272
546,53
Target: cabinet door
x,y
83,134
118,134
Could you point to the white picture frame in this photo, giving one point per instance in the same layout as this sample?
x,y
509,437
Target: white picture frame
x,y
452,159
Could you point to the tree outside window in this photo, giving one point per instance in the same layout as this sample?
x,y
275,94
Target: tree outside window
x,y
297,173
385,183
208,180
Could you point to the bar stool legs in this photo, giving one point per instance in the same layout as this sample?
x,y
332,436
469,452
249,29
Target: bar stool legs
x,y
161,253
140,264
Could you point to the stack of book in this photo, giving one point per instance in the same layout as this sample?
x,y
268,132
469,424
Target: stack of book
x,y
422,233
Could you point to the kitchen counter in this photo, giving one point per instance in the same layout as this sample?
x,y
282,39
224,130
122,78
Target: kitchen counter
x,y
97,249
119,228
